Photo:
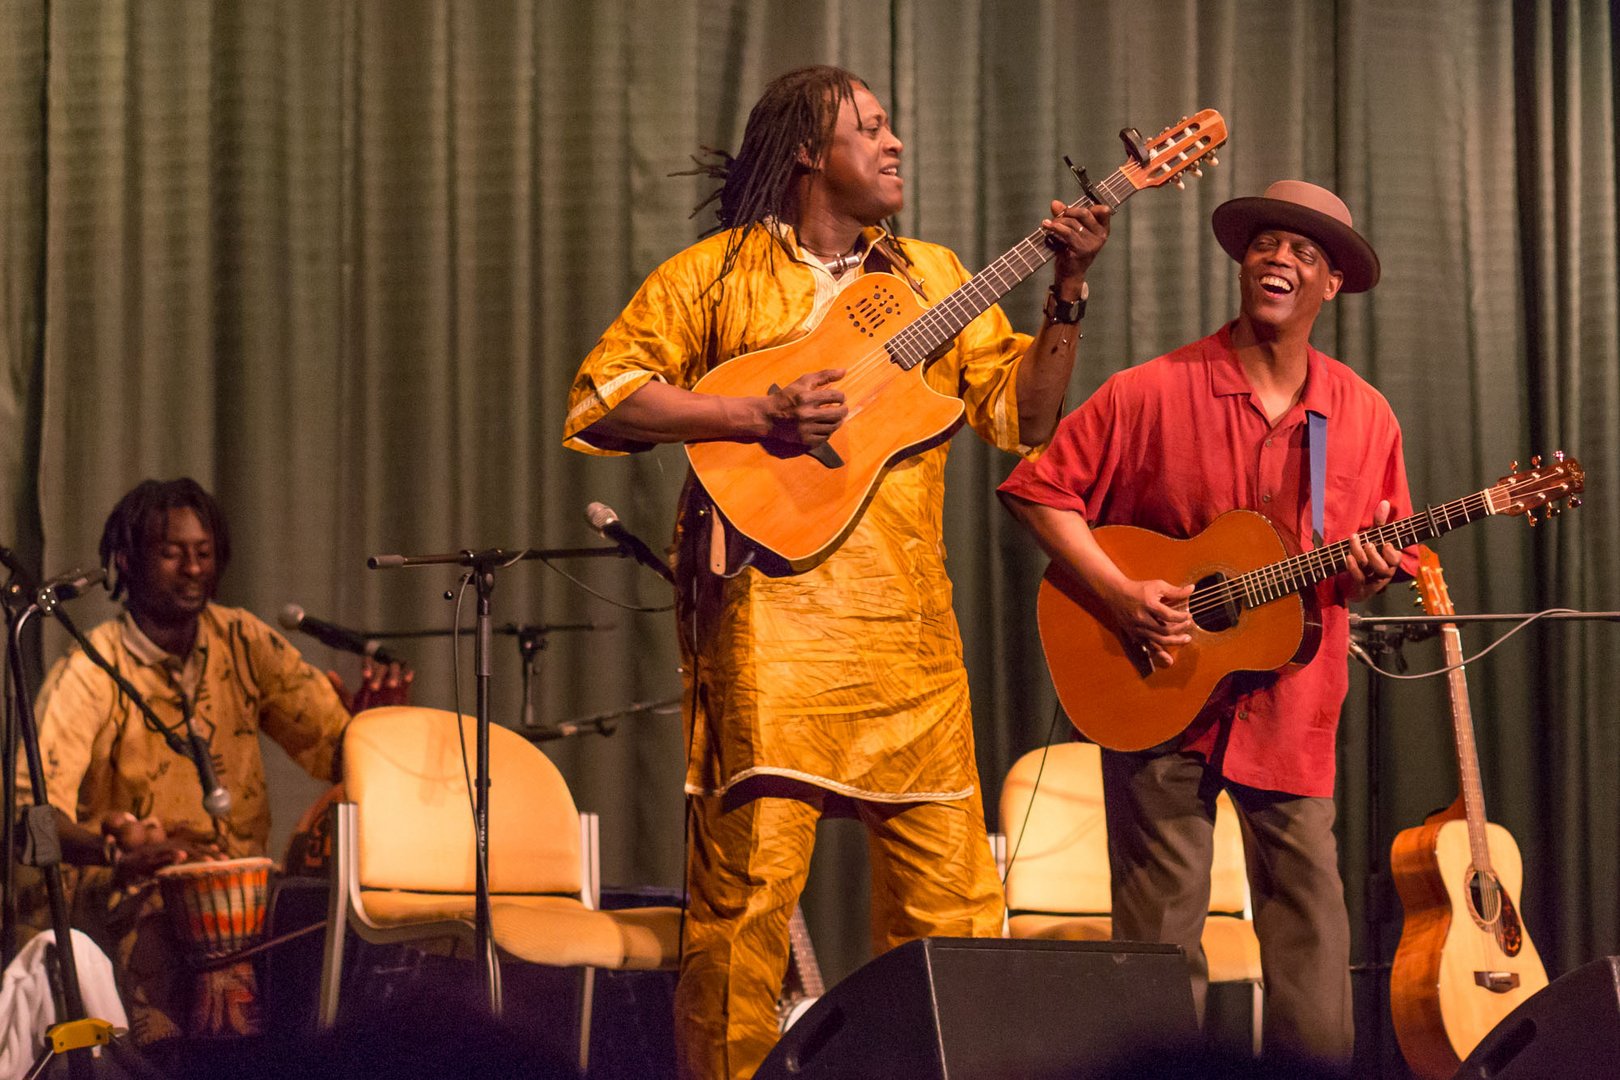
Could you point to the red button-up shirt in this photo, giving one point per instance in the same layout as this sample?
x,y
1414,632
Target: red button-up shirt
x,y
1175,442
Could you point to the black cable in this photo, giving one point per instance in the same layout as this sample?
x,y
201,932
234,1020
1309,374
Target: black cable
x,y
625,605
1465,661
1012,856
169,734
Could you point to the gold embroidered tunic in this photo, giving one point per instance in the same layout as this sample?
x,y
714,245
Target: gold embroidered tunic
x,y
848,676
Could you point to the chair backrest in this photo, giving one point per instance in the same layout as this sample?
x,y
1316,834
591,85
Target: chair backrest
x,y
1058,846
403,767
1228,875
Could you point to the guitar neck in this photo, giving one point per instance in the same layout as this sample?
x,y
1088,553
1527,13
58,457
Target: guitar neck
x,y
1462,722
1301,572
803,956
945,320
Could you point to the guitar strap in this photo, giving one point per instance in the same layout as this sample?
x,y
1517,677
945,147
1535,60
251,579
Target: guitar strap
x,y
1316,439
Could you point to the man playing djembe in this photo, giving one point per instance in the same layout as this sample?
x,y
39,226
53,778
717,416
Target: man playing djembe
x,y
127,804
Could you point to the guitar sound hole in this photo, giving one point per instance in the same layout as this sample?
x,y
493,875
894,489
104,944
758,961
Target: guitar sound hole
x,y
868,314
1509,934
1485,898
1209,614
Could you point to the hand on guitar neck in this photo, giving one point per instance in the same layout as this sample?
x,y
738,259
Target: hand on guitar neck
x,y
1370,568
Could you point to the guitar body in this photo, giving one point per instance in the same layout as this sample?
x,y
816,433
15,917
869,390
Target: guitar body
x,y
1440,1010
798,504
1109,689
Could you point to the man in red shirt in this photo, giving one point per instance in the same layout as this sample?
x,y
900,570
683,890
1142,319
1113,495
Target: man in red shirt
x,y
1170,445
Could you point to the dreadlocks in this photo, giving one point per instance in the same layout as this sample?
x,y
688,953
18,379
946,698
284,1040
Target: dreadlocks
x,y
126,530
797,112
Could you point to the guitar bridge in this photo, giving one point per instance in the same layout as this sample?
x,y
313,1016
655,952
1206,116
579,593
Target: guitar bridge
x,y
1497,982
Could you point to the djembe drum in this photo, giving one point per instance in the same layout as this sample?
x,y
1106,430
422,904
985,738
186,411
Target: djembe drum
x,y
217,910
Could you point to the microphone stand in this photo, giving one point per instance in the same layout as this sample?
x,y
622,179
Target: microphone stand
x,y
481,567
602,723
531,640
1385,635
75,1031
18,588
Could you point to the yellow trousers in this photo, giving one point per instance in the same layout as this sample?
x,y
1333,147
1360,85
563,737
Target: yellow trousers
x,y
932,876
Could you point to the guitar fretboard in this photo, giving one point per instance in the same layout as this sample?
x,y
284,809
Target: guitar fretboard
x,y
918,341
1294,575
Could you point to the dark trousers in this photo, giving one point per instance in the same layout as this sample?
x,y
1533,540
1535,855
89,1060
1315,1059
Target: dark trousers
x,y
1161,820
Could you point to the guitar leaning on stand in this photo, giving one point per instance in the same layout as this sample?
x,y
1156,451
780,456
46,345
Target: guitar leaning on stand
x,y
799,504
1253,608
802,987
1464,961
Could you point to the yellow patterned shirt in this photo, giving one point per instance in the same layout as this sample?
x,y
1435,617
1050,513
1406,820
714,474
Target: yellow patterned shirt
x,y
241,677
848,676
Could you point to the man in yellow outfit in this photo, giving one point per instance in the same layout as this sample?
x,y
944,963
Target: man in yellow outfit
x,y
843,686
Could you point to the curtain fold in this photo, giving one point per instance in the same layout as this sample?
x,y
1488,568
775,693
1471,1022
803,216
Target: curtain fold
x,y
339,261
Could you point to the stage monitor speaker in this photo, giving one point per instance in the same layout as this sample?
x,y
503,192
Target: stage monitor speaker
x,y
991,1008
1569,1030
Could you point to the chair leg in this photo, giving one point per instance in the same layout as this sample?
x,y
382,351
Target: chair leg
x,y
497,996
1257,1015
587,995
337,920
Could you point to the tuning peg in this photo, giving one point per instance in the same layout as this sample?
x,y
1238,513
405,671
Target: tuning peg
x,y
1558,455
1213,160
1196,171
1574,502
1181,185
1553,510
1418,602
1530,516
1513,466
1535,461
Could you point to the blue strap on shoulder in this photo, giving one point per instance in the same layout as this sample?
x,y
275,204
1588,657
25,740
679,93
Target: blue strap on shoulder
x,y
1316,437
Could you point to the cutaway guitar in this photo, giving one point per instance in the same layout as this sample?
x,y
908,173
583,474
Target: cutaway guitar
x,y
800,504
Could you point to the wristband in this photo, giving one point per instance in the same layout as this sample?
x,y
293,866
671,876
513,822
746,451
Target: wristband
x,y
1066,312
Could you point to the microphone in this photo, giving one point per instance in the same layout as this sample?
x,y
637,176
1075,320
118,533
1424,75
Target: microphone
x,y
69,585
293,618
216,800
607,523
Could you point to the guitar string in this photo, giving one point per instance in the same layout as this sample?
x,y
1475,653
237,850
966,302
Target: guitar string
x,y
1272,582
1116,188
914,342
1487,906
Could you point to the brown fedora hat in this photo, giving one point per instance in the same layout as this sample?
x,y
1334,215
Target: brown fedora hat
x,y
1305,209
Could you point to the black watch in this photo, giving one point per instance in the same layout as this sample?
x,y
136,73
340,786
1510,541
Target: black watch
x,y
1067,312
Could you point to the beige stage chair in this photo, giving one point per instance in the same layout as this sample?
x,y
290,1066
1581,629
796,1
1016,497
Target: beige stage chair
x,y
1058,887
402,857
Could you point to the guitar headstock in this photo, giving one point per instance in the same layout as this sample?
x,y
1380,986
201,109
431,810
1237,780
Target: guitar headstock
x,y
1548,488
1181,147
1431,584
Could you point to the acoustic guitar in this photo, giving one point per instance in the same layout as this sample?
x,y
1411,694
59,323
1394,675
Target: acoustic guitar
x,y
801,986
799,504
1465,960
1253,606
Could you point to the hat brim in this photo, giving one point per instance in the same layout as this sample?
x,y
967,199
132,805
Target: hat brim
x,y
1237,220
